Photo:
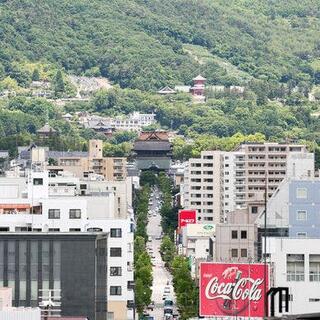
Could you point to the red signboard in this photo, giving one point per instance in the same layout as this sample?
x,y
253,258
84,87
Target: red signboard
x,y
232,289
186,217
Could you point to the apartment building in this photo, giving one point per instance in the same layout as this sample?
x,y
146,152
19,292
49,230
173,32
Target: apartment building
x,y
266,165
66,204
220,182
82,166
295,263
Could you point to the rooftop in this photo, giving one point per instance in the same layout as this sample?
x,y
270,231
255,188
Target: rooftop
x,y
46,129
199,77
154,136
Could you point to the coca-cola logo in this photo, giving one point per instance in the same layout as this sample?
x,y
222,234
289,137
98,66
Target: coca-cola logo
x,y
232,289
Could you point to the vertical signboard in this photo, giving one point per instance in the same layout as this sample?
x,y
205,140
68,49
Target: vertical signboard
x,y
232,290
186,217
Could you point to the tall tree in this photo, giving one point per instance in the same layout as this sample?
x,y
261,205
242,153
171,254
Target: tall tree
x,y
58,84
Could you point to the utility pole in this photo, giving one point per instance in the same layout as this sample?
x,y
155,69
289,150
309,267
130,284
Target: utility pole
x,y
265,246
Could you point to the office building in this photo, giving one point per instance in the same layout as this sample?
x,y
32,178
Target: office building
x,y
68,267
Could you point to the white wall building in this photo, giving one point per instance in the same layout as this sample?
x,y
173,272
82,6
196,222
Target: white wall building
x,y
295,263
133,122
39,203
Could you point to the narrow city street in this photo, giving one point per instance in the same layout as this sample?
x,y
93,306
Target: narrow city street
x,y
162,278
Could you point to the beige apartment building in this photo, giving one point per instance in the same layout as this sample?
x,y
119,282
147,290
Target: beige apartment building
x,y
265,165
111,168
221,182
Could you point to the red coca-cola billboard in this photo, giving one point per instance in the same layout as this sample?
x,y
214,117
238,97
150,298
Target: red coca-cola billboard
x,y
232,289
186,217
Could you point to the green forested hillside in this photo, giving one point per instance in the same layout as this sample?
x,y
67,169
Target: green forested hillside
x,y
140,43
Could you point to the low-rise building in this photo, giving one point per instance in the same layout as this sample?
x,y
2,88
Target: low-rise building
x,y
110,168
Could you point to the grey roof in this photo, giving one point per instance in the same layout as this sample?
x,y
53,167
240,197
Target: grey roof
x,y
65,154
152,145
46,129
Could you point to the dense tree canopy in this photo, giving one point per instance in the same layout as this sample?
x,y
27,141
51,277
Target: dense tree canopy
x,y
146,44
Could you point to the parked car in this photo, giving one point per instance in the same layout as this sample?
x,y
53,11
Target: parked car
x,y
151,306
168,302
167,290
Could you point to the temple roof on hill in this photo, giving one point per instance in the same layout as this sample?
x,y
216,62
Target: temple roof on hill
x,y
166,90
199,77
46,129
154,136
157,140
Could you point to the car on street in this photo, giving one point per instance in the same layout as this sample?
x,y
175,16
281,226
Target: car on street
x,y
151,306
167,290
168,302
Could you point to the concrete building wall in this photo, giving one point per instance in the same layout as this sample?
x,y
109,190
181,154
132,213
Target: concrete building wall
x,y
235,243
304,208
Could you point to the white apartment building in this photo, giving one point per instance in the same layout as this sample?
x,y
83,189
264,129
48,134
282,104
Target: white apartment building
x,y
39,203
221,182
295,263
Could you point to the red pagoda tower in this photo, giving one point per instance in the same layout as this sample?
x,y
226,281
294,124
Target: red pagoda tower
x,y
197,90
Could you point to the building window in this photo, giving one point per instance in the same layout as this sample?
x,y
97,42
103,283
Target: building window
x,y
301,215
301,234
115,233
74,229
314,267
115,271
295,267
115,290
301,193
75,213
54,230
115,252
234,253
243,234
37,181
244,253
130,285
254,210
54,214
234,234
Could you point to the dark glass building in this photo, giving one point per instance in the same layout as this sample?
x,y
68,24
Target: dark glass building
x,y
73,265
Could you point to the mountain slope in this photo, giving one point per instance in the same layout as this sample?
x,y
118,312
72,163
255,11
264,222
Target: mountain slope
x,y
139,43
